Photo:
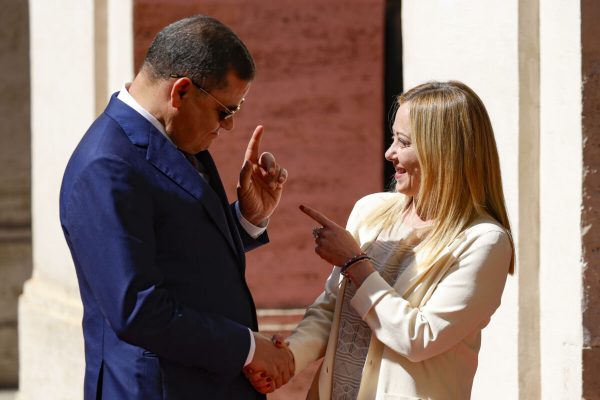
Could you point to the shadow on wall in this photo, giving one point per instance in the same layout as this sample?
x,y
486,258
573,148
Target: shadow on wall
x,y
15,181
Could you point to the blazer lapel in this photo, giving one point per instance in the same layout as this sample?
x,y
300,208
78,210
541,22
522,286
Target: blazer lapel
x,y
171,162
416,284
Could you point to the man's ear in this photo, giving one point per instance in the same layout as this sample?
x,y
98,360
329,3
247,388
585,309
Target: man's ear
x,y
180,89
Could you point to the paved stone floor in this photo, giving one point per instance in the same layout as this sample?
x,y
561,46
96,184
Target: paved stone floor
x,y
7,394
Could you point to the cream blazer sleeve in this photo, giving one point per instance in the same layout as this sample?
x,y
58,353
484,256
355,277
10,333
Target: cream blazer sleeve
x,y
309,340
462,302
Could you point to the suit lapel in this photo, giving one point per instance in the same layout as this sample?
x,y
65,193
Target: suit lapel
x,y
207,161
171,162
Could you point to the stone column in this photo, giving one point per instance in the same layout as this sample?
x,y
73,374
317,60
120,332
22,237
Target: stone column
x,y
528,249
70,47
561,332
15,181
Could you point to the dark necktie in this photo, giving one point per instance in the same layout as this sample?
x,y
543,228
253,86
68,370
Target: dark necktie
x,y
204,164
200,167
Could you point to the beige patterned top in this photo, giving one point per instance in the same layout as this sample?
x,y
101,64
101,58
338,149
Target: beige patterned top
x,y
390,259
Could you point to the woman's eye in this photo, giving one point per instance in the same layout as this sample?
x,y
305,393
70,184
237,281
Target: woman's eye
x,y
402,143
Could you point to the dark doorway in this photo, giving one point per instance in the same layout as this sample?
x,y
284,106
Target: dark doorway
x,y
392,75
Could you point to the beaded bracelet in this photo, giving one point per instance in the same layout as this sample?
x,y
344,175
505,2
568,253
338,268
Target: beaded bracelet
x,y
352,261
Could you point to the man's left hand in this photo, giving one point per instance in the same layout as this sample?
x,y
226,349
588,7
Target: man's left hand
x,y
261,182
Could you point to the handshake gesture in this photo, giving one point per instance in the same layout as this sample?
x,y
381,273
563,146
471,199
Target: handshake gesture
x,y
272,365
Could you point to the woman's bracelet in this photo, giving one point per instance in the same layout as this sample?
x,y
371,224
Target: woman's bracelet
x,y
352,261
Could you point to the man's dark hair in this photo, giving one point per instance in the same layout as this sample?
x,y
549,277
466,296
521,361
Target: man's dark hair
x,y
201,48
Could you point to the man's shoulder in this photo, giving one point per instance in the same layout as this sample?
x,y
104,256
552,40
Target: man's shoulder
x,y
105,138
103,144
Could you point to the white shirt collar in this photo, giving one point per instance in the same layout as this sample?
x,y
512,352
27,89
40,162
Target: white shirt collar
x,y
126,98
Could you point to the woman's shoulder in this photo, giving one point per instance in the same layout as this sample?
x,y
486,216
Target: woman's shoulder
x,y
485,225
374,200
487,234
369,204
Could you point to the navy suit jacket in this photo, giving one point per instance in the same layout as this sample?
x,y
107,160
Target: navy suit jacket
x,y
160,262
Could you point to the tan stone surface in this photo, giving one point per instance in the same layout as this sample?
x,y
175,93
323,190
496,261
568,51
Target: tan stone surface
x,y
51,344
15,182
528,223
7,394
15,261
14,113
9,357
70,65
15,264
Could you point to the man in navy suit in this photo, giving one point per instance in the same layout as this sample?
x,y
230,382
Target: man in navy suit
x,y
158,249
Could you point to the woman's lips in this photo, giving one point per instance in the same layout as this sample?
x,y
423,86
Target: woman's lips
x,y
399,173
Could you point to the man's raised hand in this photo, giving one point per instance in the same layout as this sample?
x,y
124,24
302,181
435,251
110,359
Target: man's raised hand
x,y
261,182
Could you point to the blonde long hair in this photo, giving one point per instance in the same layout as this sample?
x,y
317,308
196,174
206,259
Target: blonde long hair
x,y
460,169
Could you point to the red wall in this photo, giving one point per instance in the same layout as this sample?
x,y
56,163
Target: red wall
x,y
319,94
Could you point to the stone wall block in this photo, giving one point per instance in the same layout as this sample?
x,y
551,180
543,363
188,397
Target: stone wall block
x,y
15,268
51,346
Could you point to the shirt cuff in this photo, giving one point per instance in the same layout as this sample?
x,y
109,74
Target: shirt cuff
x,y
251,229
252,349
370,292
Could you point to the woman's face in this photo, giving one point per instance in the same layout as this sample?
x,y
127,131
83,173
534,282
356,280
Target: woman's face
x,y
403,154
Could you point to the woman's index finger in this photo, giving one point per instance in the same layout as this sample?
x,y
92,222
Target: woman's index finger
x,y
317,216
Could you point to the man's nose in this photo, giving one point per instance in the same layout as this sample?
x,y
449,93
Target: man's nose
x,y
227,124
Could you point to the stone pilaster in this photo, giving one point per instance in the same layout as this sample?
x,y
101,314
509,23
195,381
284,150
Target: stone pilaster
x,y
528,249
15,181
71,49
560,273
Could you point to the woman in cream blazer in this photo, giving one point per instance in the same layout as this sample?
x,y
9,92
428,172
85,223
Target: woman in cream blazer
x,y
426,327
419,272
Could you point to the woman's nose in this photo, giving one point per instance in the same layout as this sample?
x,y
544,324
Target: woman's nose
x,y
389,154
